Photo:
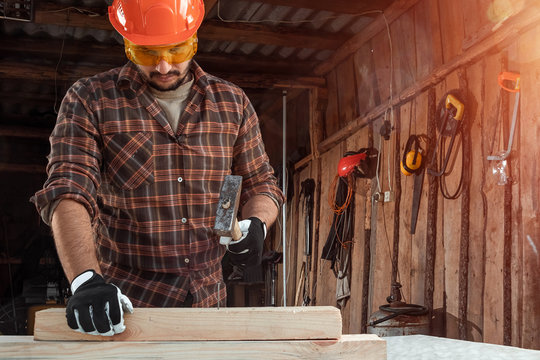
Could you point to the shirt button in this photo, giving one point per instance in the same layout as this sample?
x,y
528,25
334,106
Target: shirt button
x,y
180,179
184,220
186,260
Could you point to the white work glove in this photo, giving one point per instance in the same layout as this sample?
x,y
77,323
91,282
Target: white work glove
x,y
96,307
247,251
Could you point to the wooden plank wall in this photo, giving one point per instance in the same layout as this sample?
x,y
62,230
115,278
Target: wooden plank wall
x,y
477,256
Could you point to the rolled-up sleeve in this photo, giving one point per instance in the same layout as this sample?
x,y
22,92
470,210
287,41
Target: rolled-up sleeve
x,y
74,161
251,161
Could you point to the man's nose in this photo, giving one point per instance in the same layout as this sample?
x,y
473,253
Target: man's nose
x,y
163,66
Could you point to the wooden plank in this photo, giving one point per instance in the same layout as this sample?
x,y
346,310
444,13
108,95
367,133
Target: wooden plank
x,y
418,241
363,190
516,276
451,226
114,54
428,37
174,324
506,33
404,51
360,346
493,293
352,45
345,89
529,175
213,30
10,70
333,116
381,57
326,281
405,264
285,36
381,279
475,17
365,76
452,28
480,170
336,6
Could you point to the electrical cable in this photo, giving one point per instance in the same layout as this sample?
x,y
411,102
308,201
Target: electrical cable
x,y
442,184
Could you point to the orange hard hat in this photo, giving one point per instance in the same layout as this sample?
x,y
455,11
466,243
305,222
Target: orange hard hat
x,y
156,22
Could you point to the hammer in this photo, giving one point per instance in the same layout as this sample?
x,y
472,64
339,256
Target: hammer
x,y
229,197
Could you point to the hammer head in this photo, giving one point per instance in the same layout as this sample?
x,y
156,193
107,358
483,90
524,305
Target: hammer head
x,y
227,209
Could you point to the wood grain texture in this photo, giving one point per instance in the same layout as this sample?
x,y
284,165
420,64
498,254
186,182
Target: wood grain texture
x,y
529,124
354,305
479,167
326,281
393,12
493,294
171,324
359,347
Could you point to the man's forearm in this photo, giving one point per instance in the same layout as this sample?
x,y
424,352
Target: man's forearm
x,y
262,207
74,238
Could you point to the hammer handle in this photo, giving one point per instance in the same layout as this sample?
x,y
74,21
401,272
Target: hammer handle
x,y
236,232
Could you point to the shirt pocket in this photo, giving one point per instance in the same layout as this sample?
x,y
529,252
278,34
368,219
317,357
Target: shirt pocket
x,y
129,159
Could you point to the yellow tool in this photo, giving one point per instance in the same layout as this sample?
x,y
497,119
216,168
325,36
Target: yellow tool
x,y
450,118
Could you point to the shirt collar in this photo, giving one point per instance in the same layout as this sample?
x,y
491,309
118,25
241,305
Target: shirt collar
x,y
130,77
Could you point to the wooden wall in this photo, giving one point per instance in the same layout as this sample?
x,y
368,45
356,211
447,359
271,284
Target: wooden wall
x,y
473,260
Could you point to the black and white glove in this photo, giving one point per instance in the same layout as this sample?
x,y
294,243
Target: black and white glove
x,y
247,251
96,307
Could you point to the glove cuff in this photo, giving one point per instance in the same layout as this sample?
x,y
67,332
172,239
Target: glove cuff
x,y
83,278
262,224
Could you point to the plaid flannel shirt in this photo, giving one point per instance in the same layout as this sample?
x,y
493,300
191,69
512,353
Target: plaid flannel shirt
x,y
152,193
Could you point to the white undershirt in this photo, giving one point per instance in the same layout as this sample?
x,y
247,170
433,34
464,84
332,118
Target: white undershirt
x,y
173,102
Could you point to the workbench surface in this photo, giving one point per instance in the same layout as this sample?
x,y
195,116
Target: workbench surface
x,y
368,347
422,347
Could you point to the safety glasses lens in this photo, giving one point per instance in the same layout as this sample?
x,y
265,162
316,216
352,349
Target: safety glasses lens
x,y
152,55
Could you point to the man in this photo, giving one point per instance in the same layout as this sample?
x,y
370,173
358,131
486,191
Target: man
x,y
138,156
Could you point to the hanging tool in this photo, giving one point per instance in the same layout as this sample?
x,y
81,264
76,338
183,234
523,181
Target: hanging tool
x,y
308,190
503,79
270,261
412,164
362,163
412,159
450,111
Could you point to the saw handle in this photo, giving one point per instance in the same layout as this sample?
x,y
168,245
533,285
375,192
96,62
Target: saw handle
x,y
451,100
507,76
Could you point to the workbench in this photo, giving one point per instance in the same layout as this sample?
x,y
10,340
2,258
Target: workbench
x,y
359,347
194,333
411,347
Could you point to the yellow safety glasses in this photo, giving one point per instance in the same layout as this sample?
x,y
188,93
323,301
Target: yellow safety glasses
x,y
152,55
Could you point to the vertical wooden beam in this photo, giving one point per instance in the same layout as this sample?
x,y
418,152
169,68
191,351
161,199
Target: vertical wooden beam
x,y
465,212
529,175
431,224
507,224
397,199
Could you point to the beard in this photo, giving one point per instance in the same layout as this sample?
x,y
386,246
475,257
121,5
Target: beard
x,y
175,85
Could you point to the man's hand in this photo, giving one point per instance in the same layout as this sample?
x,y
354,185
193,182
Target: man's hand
x,y
96,308
248,250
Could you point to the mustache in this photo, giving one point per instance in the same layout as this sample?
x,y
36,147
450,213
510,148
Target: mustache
x,y
156,73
